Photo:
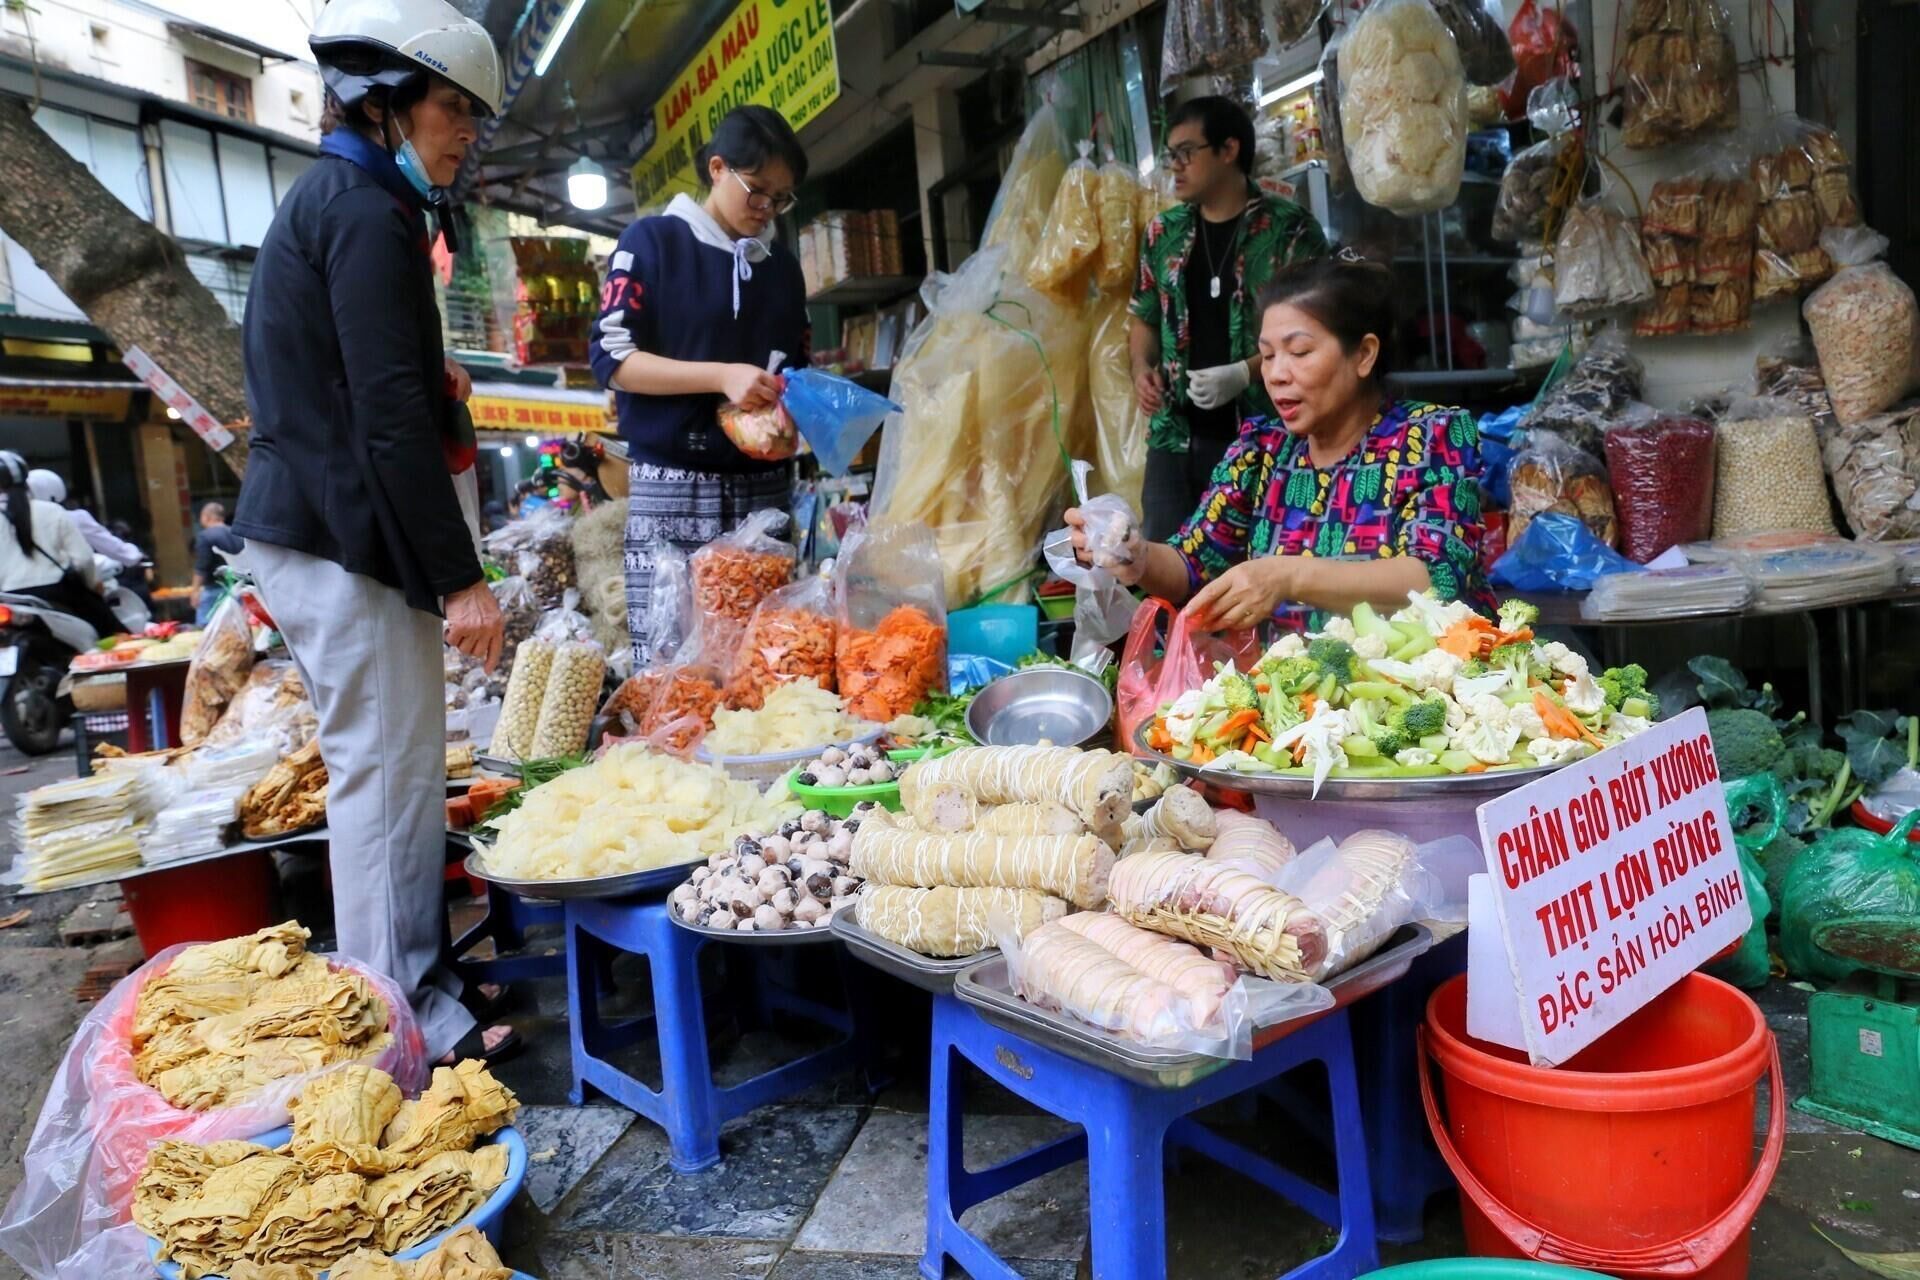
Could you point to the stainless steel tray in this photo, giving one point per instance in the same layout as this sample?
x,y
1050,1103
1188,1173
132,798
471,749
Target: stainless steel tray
x,y
494,764
925,972
733,937
628,884
1295,787
984,986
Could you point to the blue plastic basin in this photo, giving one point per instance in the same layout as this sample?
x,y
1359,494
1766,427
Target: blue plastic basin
x,y
1004,632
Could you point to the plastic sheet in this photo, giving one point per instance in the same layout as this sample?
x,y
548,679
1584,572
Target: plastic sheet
x,y
1689,591
1768,473
1557,553
1848,872
1403,108
1865,326
1662,471
1875,465
1072,236
1681,79
1551,475
836,416
68,1216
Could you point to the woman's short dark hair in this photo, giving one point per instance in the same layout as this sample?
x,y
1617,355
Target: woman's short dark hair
x,y
748,137
1349,297
1220,119
335,114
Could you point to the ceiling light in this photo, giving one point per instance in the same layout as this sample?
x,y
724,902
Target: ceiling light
x,y
506,451
533,442
560,29
1292,87
173,414
586,184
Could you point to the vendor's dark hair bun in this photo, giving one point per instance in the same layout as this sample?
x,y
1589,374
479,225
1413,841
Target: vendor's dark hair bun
x,y
1347,294
748,137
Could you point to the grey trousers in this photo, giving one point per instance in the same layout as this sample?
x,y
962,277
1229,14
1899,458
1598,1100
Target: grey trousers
x,y
373,668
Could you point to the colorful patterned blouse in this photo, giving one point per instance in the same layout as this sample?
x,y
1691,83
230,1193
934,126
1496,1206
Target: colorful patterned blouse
x,y
1412,487
1277,232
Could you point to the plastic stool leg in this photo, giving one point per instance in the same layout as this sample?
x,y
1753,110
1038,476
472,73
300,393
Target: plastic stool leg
x,y
686,1075
945,1107
1126,1183
1358,1251
583,1003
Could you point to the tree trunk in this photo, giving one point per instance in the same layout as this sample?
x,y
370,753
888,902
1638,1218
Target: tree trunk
x,y
128,276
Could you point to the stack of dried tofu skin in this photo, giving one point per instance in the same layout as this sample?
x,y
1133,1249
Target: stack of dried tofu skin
x,y
227,1018
463,1255
365,1169
993,840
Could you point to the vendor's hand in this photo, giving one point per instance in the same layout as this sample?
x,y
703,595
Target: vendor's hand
x,y
1219,386
748,386
1128,574
459,380
1245,595
474,625
1150,389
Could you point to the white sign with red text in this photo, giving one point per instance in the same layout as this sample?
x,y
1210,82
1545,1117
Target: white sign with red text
x,y
175,397
1612,879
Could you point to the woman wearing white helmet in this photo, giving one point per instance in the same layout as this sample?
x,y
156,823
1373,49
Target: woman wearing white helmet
x,y
353,527
42,553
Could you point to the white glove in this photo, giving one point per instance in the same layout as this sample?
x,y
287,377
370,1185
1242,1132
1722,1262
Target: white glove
x,y
1219,386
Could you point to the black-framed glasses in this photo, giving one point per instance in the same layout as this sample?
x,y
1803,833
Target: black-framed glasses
x,y
1181,156
760,201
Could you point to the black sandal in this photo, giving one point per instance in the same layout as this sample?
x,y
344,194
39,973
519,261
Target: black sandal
x,y
474,1045
482,1006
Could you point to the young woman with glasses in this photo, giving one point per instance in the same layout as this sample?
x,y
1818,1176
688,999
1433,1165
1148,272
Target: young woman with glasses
x,y
695,303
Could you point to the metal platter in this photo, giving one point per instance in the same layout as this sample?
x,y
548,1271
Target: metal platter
x,y
984,985
1288,786
924,972
734,938
495,764
627,884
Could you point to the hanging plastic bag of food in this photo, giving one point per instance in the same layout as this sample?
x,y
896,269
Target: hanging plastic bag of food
x,y
1800,171
1072,235
1118,203
1020,207
1403,108
1590,395
1598,265
1865,326
1326,105
891,617
1206,37
1485,53
1119,428
1544,45
1291,21
836,416
1681,79
1528,189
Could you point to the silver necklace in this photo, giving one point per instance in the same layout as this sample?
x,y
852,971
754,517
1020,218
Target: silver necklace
x,y
1206,246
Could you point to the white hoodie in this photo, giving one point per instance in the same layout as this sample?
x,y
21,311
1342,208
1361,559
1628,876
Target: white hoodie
x,y
745,252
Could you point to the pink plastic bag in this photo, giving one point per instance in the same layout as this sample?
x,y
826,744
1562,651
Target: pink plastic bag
x,y
1148,683
69,1216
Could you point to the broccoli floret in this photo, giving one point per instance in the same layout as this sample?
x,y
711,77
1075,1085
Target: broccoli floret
x,y
1334,657
1515,614
1293,675
1390,740
1238,692
1474,667
1422,718
1523,660
1623,683
1744,742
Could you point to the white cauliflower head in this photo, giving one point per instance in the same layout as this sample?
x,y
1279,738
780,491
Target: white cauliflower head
x,y
1583,696
1527,720
1556,751
1340,628
1487,743
1620,725
1563,660
1488,709
1436,669
1436,617
1370,647
1290,645
1183,717
1415,757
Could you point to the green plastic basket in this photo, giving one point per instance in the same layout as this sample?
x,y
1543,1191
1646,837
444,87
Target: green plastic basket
x,y
840,802
1481,1269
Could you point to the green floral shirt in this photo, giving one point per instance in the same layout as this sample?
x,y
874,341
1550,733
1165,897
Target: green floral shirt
x,y
1277,232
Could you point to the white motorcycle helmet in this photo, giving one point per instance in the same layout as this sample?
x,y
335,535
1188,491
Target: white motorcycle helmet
x,y
361,44
46,485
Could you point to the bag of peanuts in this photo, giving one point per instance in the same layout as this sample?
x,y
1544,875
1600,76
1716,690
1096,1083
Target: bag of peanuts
x,y
789,638
1865,325
1768,473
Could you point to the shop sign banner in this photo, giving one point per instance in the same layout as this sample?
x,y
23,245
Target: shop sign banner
x,y
175,397
769,53
91,404
1613,878
523,413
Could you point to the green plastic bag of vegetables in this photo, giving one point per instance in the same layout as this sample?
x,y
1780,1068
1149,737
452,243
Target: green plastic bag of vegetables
x,y
1749,966
1847,873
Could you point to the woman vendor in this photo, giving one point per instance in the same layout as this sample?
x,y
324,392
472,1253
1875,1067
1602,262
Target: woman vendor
x,y
695,303
1346,495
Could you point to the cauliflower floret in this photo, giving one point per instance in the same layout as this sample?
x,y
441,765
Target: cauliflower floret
x,y
1562,659
1340,629
1437,617
1624,726
1436,669
1528,722
1467,688
1456,715
1487,743
1370,647
1183,717
1321,737
1556,750
1488,709
1584,697
1290,645
1415,757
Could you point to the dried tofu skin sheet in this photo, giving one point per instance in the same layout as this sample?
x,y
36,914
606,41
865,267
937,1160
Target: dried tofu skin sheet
x,y
461,1105
412,1204
340,1119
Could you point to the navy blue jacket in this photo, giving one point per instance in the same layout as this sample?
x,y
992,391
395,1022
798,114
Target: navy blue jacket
x,y
669,294
346,382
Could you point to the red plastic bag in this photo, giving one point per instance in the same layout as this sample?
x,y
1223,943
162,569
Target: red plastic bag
x,y
69,1216
1544,46
1149,682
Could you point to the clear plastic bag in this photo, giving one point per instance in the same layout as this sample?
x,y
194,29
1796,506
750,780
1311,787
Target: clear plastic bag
x,y
1681,79
683,704
1590,396
1557,553
221,663
669,619
732,574
1362,889
1326,103
790,638
1205,37
1598,263
1865,326
890,608
543,555
1544,46
1403,108
836,416
1117,201
272,706
1520,211
1072,236
520,708
1550,474
1768,473
1291,21
68,1216
765,434
1119,428
1662,471
1875,465
1102,607
572,692
1485,54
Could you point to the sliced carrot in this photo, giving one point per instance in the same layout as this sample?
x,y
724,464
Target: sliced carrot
x,y
1247,743
1263,686
1259,733
1237,721
1562,723
1300,753
1475,767
1159,739
1307,703
1202,753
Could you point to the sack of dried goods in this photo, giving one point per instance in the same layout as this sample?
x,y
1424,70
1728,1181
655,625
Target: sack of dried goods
x,y
567,703
1485,53
1681,79
1117,201
1403,108
520,710
789,638
1662,468
218,671
1598,263
1210,36
1072,235
1526,191
1767,472
1875,465
1865,326
1590,397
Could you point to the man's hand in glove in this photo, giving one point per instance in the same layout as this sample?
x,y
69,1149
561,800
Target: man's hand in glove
x,y
1219,386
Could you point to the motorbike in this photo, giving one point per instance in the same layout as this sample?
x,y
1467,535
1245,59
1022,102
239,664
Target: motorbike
x,y
37,642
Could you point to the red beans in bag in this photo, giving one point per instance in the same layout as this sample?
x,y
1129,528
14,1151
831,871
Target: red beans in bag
x,y
1662,482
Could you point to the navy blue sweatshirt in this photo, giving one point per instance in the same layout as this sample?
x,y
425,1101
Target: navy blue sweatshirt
x,y
669,294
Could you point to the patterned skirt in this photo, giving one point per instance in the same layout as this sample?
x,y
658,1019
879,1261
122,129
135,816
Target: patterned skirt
x,y
688,509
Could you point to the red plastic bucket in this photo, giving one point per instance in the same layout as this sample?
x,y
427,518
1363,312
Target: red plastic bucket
x,y
1635,1158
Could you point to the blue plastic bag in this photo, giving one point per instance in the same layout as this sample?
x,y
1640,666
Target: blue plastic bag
x,y
970,671
836,416
1558,553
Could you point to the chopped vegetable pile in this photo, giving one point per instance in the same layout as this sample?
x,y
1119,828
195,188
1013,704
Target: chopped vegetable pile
x,y
1436,689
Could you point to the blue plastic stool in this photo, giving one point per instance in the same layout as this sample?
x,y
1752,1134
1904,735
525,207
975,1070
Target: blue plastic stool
x,y
1407,1169
1126,1130
688,1105
505,924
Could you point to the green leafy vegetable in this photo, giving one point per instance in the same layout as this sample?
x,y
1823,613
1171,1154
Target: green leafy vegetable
x,y
1879,744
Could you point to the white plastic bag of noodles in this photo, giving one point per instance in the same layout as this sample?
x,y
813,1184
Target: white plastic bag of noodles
x,y
1403,108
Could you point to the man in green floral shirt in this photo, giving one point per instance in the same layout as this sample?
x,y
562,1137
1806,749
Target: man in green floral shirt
x,y
1194,329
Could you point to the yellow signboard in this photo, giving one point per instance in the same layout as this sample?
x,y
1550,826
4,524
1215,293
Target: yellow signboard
x,y
770,53
525,414
92,404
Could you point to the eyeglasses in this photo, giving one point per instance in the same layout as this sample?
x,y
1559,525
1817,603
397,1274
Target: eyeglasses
x,y
1181,156
760,201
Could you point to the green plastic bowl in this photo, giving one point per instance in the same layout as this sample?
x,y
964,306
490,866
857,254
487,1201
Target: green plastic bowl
x,y
840,802
909,755
1056,607
1481,1269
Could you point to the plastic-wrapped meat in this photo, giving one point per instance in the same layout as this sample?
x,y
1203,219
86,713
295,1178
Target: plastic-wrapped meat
x,y
1058,967
1186,896
1204,982
1249,844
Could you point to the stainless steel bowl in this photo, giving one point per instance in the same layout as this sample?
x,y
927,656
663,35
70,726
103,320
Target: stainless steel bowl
x,y
1040,704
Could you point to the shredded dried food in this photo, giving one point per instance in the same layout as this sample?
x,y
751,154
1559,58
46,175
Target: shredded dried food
x,y
1674,207
1403,108
1526,191
292,797
683,706
734,573
887,671
1662,472
219,670
1865,326
1072,234
1790,224
1767,474
1581,406
1598,265
1669,259
790,638
1670,312
1875,465
1208,36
